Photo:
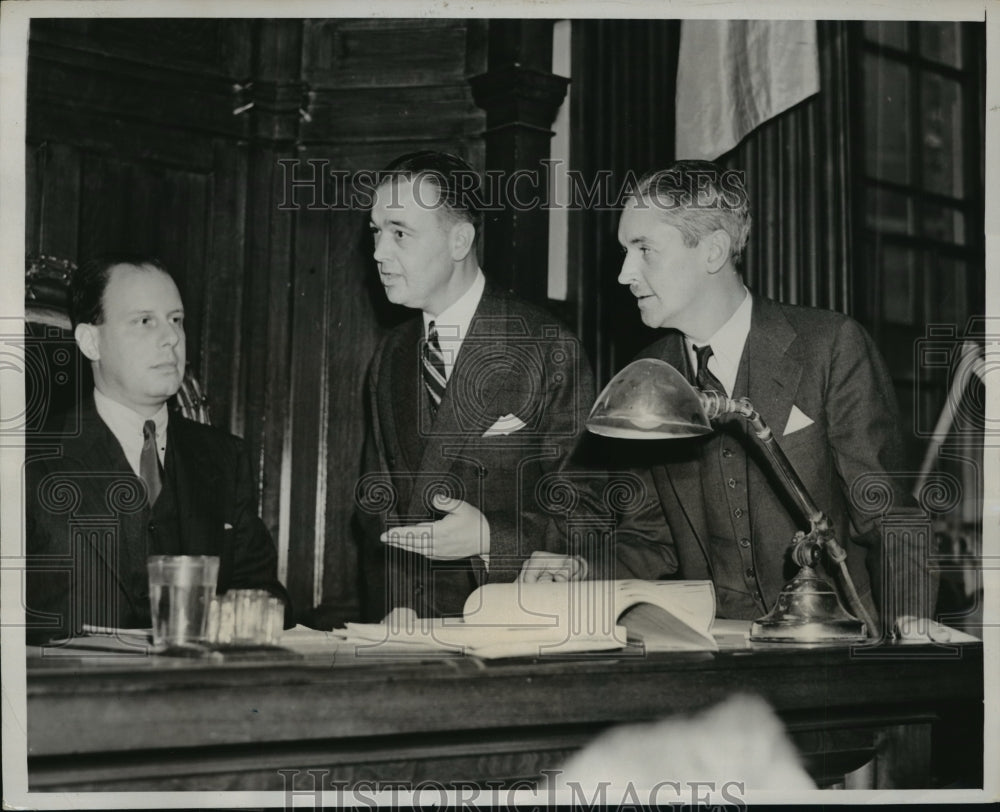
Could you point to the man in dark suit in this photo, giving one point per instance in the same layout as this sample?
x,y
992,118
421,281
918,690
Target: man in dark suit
x,y
715,510
471,403
130,479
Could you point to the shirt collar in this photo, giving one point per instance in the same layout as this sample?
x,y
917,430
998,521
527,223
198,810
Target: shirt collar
x,y
728,342
126,424
453,322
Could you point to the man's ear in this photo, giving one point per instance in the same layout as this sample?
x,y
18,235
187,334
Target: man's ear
x,y
463,237
718,244
86,340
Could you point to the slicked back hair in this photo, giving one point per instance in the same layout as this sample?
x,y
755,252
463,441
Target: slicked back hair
x,y
459,185
90,280
697,198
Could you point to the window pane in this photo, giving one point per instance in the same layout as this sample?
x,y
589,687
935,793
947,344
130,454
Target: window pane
x,y
886,33
941,116
946,299
897,285
889,211
942,42
887,138
942,223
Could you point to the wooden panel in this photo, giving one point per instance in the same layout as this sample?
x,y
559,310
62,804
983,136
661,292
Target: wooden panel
x,y
374,114
317,299
180,225
264,334
204,47
349,54
223,281
116,88
357,310
458,718
59,209
125,139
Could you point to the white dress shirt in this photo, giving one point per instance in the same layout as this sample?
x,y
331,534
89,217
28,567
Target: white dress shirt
x,y
127,425
727,345
452,323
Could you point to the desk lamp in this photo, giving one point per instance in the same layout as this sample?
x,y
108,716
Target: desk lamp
x,y
650,400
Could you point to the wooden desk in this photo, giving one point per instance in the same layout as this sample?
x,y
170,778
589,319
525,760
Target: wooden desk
x,y
156,723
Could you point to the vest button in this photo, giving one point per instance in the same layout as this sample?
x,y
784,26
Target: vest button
x,y
738,512
152,527
757,596
749,572
731,482
727,453
744,542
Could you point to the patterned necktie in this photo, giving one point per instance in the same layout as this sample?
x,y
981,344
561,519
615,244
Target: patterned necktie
x,y
433,368
149,462
704,377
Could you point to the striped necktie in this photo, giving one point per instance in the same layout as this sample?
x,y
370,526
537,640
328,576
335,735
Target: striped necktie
x,y
433,368
149,462
704,377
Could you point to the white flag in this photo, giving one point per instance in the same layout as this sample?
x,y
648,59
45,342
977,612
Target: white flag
x,y
733,75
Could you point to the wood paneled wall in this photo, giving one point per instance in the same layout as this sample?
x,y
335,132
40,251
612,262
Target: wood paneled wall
x,y
179,137
176,137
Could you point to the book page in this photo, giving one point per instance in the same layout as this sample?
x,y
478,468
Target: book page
x,y
678,614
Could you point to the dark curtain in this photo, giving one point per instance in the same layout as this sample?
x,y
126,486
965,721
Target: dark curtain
x,y
798,169
622,120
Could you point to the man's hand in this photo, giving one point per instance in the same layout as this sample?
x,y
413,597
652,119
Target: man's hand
x,y
401,619
922,629
544,566
462,533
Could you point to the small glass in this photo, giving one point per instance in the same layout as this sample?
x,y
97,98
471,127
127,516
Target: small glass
x,y
180,594
246,617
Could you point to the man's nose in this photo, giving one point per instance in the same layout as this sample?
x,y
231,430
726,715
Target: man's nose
x,y
171,333
379,252
626,276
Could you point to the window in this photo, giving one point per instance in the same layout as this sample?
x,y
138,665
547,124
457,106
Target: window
x,y
920,260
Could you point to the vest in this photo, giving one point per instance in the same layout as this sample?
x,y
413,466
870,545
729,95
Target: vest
x,y
727,498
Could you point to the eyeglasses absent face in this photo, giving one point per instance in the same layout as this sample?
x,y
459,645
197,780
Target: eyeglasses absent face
x,y
138,349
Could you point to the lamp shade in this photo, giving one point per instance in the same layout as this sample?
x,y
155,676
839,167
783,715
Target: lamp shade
x,y
649,400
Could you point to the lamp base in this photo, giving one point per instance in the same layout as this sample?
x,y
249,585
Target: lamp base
x,y
808,611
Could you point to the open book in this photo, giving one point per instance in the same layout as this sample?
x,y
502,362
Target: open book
x,y
518,620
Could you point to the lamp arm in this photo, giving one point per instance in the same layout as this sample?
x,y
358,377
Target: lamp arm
x,y
718,405
821,536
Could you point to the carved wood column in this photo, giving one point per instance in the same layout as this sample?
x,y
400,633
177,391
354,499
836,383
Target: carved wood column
x,y
521,97
275,92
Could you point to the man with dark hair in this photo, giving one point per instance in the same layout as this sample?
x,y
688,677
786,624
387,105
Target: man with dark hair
x,y
471,403
715,510
135,479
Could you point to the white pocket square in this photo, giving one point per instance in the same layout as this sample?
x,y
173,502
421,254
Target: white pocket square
x,y
507,424
227,526
796,420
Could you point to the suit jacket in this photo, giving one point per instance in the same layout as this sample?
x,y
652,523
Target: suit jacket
x,y
824,364
87,522
515,360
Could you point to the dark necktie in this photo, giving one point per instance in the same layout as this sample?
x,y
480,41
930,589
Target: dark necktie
x,y
704,377
149,462
433,368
